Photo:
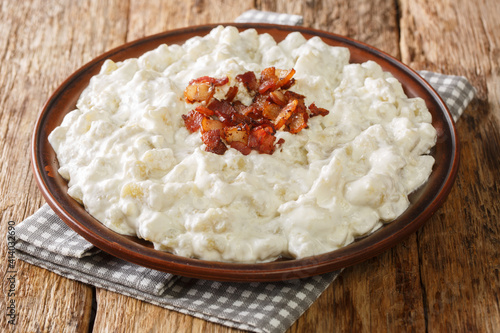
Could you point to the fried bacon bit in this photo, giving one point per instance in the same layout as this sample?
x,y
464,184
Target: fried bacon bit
x,y
270,110
192,120
278,97
273,79
204,111
231,93
237,133
297,123
202,89
241,147
199,92
209,124
253,127
285,77
249,80
285,114
213,142
315,111
262,139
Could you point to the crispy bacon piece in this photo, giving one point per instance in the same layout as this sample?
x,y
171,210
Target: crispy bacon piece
x,y
208,124
262,139
221,107
231,93
223,110
315,111
268,80
278,97
228,122
192,120
297,122
241,147
202,88
293,95
239,107
213,142
285,114
270,110
199,92
204,111
249,80
289,84
237,133
239,119
285,76
273,79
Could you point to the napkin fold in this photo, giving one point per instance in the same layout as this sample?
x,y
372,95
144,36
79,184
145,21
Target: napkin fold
x,y
45,240
455,91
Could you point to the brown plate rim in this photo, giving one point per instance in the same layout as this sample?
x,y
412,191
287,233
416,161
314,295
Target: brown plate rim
x,y
429,199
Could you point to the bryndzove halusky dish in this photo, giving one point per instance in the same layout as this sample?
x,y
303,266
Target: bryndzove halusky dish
x,y
130,160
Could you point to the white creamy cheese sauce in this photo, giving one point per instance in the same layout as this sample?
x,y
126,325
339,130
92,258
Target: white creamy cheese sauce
x,y
131,162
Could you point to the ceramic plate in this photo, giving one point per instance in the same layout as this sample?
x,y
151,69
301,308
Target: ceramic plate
x,y
424,202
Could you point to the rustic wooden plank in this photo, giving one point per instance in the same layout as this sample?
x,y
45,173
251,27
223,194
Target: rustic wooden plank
x,y
122,312
41,44
151,17
383,292
459,247
51,303
372,22
38,300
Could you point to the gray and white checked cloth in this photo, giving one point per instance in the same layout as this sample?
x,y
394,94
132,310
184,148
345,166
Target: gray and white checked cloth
x,y
258,16
44,240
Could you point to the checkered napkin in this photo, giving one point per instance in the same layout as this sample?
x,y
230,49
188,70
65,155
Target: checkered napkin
x,y
257,16
44,240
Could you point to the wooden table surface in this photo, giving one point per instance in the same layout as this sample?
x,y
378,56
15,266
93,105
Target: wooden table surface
x,y
445,277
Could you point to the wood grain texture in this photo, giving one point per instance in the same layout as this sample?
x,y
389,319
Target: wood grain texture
x,y
458,249
445,277
372,22
151,17
31,67
118,311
